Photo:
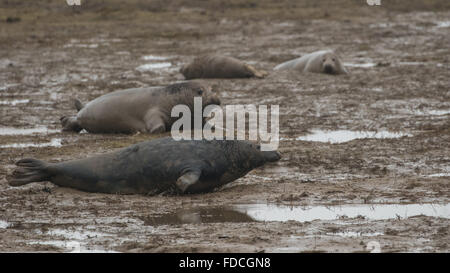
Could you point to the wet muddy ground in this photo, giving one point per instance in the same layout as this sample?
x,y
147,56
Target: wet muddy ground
x,y
366,157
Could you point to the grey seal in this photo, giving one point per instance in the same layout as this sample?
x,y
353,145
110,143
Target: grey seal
x,y
137,109
151,167
324,61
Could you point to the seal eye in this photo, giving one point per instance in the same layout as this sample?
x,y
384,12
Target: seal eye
x,y
334,60
199,92
258,147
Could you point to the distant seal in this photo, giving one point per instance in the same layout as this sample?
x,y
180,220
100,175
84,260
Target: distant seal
x,y
156,166
137,109
217,66
324,61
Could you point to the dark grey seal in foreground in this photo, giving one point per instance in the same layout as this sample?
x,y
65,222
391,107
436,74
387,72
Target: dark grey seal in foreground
x,y
138,109
156,166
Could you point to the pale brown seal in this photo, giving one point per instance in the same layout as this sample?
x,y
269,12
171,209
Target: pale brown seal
x,y
217,66
138,109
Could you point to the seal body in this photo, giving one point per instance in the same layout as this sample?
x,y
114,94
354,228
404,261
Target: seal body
x,y
217,66
160,165
137,109
325,61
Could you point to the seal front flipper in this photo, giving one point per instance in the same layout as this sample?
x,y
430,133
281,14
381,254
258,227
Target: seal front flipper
x,y
78,104
156,127
30,170
187,179
154,123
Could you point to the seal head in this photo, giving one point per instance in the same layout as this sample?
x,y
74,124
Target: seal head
x,y
330,63
246,156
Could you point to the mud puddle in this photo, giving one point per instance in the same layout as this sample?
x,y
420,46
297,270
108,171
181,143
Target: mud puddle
x,y
7,86
77,43
282,213
371,64
54,142
443,24
200,215
156,63
155,58
4,224
341,136
360,65
353,234
10,131
72,240
14,102
432,112
439,175
71,246
265,212
76,239
153,66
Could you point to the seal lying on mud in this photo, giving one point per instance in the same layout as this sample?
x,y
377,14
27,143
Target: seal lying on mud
x,y
325,61
137,109
216,66
160,165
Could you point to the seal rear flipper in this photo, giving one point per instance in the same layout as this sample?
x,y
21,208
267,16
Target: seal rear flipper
x,y
70,124
257,73
29,170
188,179
260,74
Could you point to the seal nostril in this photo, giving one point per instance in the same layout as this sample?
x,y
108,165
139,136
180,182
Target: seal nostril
x,y
273,156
